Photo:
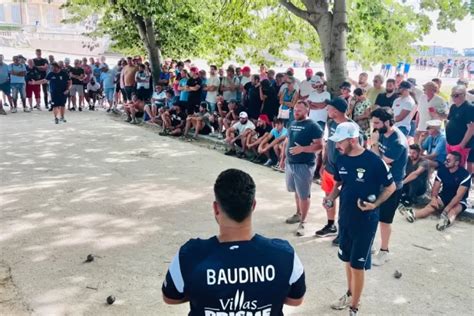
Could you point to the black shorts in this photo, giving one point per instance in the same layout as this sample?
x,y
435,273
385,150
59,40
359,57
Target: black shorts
x,y
470,157
355,245
389,207
142,94
58,101
206,130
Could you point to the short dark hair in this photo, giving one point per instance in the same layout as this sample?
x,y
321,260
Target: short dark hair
x,y
456,155
383,114
235,192
213,67
279,121
391,80
358,92
415,147
320,73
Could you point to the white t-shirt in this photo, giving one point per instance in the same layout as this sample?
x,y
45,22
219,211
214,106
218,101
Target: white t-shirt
x,y
229,95
242,127
320,115
211,96
244,80
285,86
400,104
436,104
143,76
93,87
306,88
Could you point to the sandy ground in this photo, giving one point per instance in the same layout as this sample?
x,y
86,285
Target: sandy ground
x,y
99,186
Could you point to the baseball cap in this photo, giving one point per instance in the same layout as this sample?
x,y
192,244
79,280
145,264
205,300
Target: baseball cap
x,y
316,80
434,123
264,118
344,131
246,69
339,103
290,69
309,71
412,81
405,85
194,69
243,115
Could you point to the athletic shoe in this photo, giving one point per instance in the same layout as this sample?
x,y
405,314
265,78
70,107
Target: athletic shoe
x,y
381,258
50,109
56,120
14,110
128,119
36,107
72,109
410,215
326,231
108,110
220,136
6,104
241,155
269,163
134,121
335,241
353,311
2,112
443,223
27,110
373,250
295,218
80,109
342,303
62,119
163,133
300,230
230,153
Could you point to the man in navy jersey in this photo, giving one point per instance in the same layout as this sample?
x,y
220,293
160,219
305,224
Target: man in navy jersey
x,y
236,272
451,200
366,184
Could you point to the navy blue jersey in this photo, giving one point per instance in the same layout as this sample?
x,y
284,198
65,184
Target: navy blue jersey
x,y
395,147
232,278
452,181
58,83
361,176
302,133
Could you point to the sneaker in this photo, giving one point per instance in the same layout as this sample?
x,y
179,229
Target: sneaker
x,y
220,136
108,110
56,120
443,223
269,163
230,153
36,107
163,133
72,109
326,231
381,258
27,110
62,119
134,121
115,111
342,303
50,109
80,109
2,112
300,230
14,110
353,311
335,241
373,250
295,218
128,119
410,215
241,154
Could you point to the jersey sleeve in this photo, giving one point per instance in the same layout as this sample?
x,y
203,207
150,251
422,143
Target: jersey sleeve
x,y
384,170
394,152
173,285
297,280
317,132
466,180
337,176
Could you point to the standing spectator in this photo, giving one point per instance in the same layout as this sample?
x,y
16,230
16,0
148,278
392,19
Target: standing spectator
x,y
470,93
5,87
430,107
119,88
59,84
87,74
183,93
360,174
17,81
246,78
387,98
434,145
288,99
360,112
306,86
33,86
304,141
77,76
403,108
42,65
142,79
363,82
345,91
276,270
460,127
203,77
254,102
194,87
229,85
127,79
211,88
377,89
317,102
392,146
107,82
269,97
441,65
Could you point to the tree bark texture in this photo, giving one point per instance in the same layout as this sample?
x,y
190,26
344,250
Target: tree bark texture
x,y
147,35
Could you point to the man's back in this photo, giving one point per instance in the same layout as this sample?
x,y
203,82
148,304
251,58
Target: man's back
x,y
245,276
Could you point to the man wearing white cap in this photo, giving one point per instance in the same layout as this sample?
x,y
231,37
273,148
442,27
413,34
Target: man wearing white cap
x,y
434,145
365,183
237,133
430,106
318,112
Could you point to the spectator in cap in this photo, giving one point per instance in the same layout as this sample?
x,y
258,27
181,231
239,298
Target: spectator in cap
x,y
316,100
306,85
259,135
246,78
434,146
236,136
404,108
430,106
470,93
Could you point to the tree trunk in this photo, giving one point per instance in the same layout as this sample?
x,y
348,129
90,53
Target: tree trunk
x,y
147,35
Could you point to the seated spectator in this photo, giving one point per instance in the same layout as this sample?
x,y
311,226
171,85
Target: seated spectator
x,y
159,96
133,109
236,135
161,101
174,121
449,194
416,179
272,145
434,145
93,93
257,136
199,121
231,116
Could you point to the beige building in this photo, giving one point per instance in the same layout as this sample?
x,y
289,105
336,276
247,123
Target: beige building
x,y
44,13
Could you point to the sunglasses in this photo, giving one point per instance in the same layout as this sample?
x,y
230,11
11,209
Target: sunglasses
x,y
456,95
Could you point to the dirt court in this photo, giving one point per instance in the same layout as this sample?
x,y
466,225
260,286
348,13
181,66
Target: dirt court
x,y
98,186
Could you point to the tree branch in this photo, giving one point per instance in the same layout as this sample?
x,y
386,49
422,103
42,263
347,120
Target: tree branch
x,y
295,10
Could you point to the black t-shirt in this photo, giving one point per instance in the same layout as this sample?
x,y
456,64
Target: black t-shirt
x,y
302,133
32,74
395,147
254,103
271,103
194,97
177,118
262,130
58,83
361,176
235,278
384,101
451,183
76,71
41,62
68,69
458,119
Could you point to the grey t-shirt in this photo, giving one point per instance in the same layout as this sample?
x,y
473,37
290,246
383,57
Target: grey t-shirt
x,y
302,133
395,147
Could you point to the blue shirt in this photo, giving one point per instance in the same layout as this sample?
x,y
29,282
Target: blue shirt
x,y
107,79
276,134
361,176
17,68
436,145
184,95
4,73
58,83
235,278
302,133
395,147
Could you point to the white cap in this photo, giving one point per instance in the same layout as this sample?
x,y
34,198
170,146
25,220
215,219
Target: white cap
x,y
344,131
316,79
434,123
243,115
